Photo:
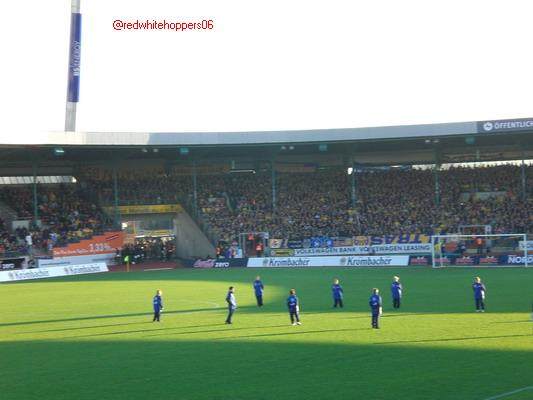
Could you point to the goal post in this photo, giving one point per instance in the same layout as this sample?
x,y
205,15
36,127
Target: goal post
x,y
480,250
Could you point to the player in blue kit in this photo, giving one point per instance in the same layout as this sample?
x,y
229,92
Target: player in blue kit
x,y
258,289
158,306
232,304
479,294
396,291
338,293
376,304
294,307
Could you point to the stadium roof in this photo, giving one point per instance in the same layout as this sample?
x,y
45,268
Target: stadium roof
x,y
408,144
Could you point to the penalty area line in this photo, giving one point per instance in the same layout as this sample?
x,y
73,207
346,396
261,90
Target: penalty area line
x,y
503,395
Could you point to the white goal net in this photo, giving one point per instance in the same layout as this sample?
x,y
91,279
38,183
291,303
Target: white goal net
x,y
481,250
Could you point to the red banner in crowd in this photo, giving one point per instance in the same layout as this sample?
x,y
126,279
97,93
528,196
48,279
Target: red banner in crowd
x,y
99,244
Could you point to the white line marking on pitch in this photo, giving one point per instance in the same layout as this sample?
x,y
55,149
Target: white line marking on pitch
x,y
156,269
501,396
211,303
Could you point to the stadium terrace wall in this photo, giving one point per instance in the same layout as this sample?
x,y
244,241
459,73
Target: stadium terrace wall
x,y
190,240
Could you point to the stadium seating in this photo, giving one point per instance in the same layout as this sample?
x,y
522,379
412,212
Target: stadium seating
x,y
66,211
388,201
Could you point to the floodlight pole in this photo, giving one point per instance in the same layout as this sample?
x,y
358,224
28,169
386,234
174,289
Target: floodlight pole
x,y
73,81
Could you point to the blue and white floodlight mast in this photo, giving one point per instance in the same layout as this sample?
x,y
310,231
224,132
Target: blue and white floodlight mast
x,y
73,88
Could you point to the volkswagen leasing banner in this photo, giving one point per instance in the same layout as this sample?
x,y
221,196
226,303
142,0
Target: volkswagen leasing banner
x,y
52,272
335,261
406,248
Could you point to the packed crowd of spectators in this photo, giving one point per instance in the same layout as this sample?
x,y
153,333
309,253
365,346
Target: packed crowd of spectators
x,y
487,196
393,201
136,187
22,240
66,213
388,201
9,243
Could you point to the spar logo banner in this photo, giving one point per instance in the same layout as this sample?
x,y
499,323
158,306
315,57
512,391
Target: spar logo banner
x,y
52,272
332,261
99,244
415,248
506,125
328,242
409,238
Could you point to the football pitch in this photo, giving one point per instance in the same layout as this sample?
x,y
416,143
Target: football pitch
x,y
91,337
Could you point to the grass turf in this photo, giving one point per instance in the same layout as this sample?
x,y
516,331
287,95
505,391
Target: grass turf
x,y
91,337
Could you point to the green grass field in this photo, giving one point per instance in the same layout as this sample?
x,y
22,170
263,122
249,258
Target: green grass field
x,y
91,337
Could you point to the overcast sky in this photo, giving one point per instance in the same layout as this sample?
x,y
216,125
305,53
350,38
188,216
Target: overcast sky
x,y
267,65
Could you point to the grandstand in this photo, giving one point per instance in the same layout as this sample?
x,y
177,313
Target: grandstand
x,y
285,186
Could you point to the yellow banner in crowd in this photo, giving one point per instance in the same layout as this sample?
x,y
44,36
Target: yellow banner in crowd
x,y
148,209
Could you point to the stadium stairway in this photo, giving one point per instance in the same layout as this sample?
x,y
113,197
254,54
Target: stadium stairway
x,y
191,241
